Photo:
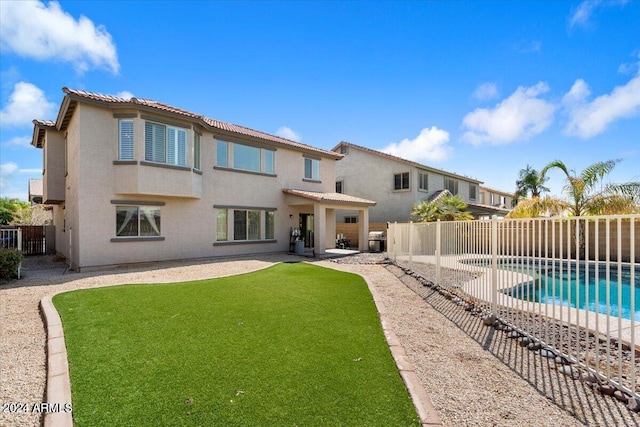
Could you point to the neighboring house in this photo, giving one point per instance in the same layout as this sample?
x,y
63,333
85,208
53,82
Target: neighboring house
x,y
396,184
135,180
500,201
35,191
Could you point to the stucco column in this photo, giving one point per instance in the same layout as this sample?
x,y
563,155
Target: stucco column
x,y
320,228
363,230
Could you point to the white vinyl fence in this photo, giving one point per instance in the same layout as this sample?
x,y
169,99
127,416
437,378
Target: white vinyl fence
x,y
571,284
11,238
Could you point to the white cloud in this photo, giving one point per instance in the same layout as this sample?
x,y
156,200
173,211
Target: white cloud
x,y
46,32
581,16
532,46
486,91
27,102
14,181
518,117
7,170
288,133
429,145
18,141
125,94
631,67
588,119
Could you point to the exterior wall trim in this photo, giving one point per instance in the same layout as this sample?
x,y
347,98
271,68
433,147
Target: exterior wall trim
x,y
244,242
244,171
238,207
137,239
163,165
136,202
164,121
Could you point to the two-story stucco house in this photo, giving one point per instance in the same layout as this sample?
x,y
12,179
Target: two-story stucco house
x,y
135,180
397,184
497,198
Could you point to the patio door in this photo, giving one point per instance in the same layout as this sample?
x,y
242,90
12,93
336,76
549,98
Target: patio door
x,y
306,229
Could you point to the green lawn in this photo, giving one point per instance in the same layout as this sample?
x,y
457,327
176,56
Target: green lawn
x,y
291,345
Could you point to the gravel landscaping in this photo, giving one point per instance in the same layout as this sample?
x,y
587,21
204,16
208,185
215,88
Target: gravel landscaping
x,y
474,375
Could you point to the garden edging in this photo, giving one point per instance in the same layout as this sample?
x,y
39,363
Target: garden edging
x,y
428,414
58,388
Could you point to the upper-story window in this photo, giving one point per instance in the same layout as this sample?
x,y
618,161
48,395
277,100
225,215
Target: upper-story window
x,y
339,186
473,191
451,185
312,169
196,150
165,144
401,181
125,140
423,181
245,157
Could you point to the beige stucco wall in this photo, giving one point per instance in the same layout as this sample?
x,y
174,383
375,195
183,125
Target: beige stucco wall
x,y
188,219
53,168
485,197
371,176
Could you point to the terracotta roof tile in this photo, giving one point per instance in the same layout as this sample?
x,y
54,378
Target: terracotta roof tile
x,y
208,122
406,161
329,197
46,123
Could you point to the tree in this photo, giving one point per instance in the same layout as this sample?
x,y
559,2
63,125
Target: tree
x,y
538,206
446,208
588,194
425,212
10,209
530,181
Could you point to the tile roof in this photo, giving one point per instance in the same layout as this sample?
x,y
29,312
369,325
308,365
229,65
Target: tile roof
x,y
329,197
46,123
493,190
403,160
205,121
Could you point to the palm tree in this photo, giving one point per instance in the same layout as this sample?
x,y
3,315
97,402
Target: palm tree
x,y
530,181
453,209
589,195
537,207
425,212
446,208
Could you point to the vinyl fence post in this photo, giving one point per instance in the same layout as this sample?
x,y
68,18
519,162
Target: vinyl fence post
x,y
410,245
438,250
395,244
20,239
494,265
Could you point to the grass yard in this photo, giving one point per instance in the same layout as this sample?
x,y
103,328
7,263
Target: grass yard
x,y
291,345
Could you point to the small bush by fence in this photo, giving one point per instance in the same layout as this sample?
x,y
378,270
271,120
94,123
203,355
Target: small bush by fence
x,y
10,260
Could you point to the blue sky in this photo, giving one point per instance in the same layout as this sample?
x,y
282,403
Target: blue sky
x,y
477,88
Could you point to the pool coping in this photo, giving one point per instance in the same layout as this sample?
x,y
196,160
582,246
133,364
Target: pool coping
x,y
624,328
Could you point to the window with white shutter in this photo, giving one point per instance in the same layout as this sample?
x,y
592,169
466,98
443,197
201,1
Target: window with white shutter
x,y
125,141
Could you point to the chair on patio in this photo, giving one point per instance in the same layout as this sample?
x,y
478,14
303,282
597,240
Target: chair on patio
x,y
342,242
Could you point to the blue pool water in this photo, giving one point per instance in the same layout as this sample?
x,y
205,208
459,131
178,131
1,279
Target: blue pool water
x,y
559,283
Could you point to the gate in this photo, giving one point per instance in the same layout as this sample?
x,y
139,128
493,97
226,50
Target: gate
x,y
33,239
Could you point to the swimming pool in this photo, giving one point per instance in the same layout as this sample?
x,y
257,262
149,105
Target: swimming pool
x,y
567,284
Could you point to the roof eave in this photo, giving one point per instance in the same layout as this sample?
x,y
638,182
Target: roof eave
x,y
408,162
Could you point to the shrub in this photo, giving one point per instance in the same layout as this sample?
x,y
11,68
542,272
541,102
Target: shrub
x,y
10,259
